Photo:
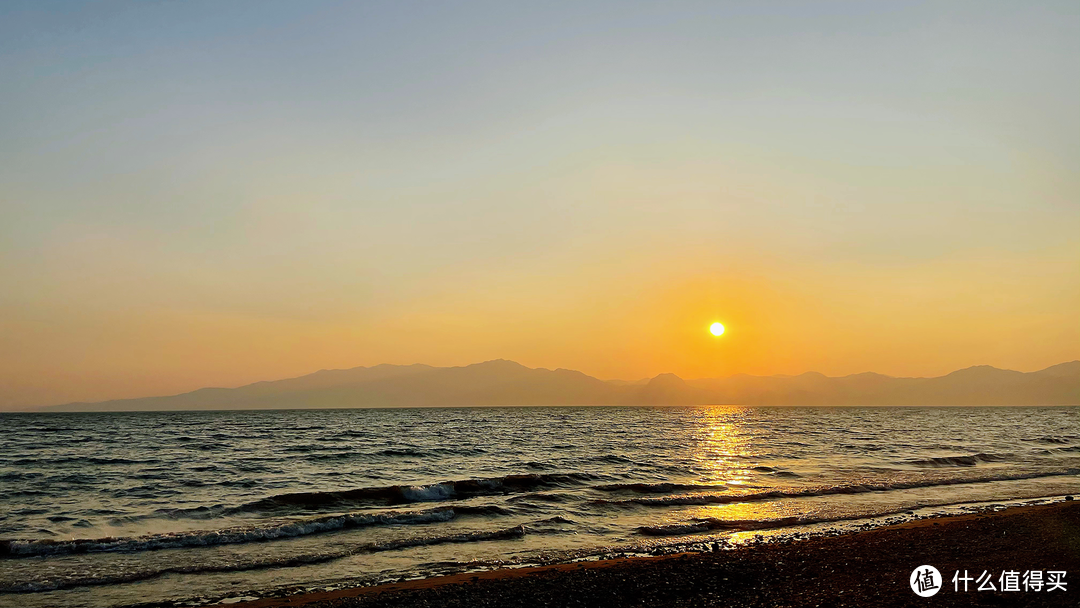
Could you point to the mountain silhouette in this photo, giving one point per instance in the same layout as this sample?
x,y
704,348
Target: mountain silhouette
x,y
502,382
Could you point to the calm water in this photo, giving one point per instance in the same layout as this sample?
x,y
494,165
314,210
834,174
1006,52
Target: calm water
x,y
118,508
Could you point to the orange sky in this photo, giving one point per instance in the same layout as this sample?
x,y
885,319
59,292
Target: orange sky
x,y
186,202
606,321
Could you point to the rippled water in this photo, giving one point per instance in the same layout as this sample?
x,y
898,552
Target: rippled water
x,y
118,508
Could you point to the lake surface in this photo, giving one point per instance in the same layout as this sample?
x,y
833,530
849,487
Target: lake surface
x,y
101,509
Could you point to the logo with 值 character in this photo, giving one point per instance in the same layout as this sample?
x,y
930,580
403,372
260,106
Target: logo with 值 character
x,y
925,581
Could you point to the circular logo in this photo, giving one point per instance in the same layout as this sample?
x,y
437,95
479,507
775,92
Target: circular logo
x,y
925,581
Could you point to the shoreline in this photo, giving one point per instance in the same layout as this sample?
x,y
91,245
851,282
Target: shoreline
x,y
864,568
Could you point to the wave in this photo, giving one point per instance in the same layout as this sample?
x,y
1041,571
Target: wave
x,y
265,563
81,460
1072,448
775,472
657,488
427,452
557,519
407,452
712,524
401,494
230,536
548,497
20,476
612,459
1049,439
402,452
712,499
959,461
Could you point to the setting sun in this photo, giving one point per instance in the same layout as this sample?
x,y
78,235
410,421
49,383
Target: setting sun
x,y
716,329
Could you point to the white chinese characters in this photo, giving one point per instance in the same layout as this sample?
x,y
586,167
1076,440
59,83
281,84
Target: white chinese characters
x,y
1011,580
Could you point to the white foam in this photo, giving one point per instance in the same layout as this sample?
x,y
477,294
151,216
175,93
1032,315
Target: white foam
x,y
439,491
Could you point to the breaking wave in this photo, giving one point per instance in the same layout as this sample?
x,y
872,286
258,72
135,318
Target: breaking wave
x,y
959,461
230,536
711,524
712,499
259,564
402,494
658,488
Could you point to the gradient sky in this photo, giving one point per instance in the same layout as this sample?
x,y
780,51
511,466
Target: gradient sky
x,y
209,193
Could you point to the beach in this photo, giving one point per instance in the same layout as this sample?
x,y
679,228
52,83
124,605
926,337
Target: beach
x,y
867,568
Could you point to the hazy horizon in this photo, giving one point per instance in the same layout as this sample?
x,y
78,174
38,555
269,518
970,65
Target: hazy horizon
x,y
505,383
200,194
627,380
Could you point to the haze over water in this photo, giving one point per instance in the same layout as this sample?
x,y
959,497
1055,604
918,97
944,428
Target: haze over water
x,y
116,508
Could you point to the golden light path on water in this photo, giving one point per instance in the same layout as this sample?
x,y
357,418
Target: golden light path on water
x,y
726,446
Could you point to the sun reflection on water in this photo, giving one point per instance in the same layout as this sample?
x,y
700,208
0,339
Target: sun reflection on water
x,y
727,450
725,446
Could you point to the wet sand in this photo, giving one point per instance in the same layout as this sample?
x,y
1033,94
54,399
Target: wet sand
x,y
869,568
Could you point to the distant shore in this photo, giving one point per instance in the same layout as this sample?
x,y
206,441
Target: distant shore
x,y
504,383
868,568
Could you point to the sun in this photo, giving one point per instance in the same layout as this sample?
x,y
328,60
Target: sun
x,y
716,329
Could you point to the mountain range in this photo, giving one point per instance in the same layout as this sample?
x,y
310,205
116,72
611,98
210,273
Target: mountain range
x,y
502,382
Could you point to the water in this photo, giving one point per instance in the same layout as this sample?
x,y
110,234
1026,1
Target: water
x,y
102,509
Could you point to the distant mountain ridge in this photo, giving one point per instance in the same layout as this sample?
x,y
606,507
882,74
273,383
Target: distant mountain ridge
x,y
502,382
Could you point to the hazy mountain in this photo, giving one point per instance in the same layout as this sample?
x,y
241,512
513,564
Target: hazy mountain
x,y
503,382
667,389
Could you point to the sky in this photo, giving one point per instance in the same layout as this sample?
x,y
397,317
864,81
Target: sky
x,y
210,194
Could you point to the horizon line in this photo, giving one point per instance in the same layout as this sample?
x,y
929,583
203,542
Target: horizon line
x,y
35,408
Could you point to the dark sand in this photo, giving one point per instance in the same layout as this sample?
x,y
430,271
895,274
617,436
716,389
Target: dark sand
x,y
868,568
